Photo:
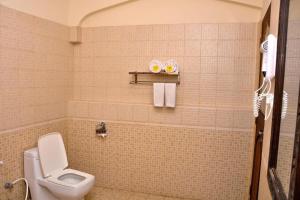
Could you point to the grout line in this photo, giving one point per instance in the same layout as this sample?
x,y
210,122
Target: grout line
x,y
166,125
32,125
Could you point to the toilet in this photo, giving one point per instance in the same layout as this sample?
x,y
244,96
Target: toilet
x,y
47,173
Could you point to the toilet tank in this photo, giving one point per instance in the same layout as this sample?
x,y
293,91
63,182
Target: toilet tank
x,y
32,167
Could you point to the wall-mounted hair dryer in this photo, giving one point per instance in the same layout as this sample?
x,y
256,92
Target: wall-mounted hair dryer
x,y
269,50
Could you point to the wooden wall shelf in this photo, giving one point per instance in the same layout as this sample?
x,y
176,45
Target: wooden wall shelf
x,y
171,75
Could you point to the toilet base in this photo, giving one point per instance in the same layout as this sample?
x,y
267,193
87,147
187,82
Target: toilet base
x,y
38,192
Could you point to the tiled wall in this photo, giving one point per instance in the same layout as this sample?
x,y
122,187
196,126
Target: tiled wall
x,y
178,161
217,64
13,143
35,84
291,86
35,69
205,141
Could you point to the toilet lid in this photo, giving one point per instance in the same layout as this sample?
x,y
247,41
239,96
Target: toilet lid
x,y
52,152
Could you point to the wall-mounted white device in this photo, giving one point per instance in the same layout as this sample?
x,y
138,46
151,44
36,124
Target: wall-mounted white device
x,y
269,50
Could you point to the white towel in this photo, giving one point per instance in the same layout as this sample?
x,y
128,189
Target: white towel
x,y
158,94
170,95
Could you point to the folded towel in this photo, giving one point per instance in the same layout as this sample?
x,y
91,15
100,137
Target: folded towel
x,y
158,94
155,66
170,95
171,66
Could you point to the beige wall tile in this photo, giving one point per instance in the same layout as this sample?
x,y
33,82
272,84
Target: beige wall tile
x,y
160,32
96,110
110,111
292,48
209,48
192,48
248,31
245,48
143,33
207,117
225,98
294,30
225,82
208,81
224,118
210,31
193,31
191,80
243,119
292,66
190,116
191,96
227,48
229,31
175,48
125,112
81,109
244,65
160,48
141,113
207,98
141,158
226,65
176,32
209,65
191,64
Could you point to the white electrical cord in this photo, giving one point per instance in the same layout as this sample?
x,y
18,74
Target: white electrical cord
x,y
26,182
257,99
269,105
284,104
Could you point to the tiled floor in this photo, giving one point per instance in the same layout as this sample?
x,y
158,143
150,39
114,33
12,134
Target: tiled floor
x,y
109,194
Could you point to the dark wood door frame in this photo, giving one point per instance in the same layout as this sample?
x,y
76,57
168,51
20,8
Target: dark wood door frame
x,y
259,122
273,179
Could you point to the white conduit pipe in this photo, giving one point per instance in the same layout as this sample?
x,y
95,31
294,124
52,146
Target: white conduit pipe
x,y
10,185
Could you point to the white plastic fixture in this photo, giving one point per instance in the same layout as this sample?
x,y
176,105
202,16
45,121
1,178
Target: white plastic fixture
x,y
269,50
271,56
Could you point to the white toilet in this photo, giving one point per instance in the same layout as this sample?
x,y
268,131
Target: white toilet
x,y
47,174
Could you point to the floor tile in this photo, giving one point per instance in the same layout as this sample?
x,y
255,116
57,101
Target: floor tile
x,y
138,196
154,197
171,198
99,193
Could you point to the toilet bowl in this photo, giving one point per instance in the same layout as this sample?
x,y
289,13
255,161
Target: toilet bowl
x,y
47,173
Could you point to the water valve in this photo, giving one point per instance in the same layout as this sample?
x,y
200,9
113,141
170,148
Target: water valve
x,y
101,129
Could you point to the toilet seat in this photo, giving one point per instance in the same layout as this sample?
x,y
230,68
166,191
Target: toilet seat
x,y
56,178
67,191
